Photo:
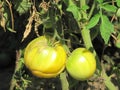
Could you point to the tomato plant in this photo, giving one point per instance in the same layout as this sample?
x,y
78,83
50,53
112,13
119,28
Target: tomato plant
x,y
92,24
43,59
81,64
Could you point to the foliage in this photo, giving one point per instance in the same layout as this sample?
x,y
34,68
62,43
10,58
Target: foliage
x,y
93,24
22,6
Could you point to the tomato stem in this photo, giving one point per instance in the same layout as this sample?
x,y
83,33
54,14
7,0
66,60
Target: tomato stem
x,y
64,82
88,44
86,36
52,42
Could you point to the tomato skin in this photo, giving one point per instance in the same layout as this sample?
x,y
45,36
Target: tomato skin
x,y
43,60
81,64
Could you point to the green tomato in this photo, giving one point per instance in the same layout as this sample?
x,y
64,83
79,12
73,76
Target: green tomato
x,y
81,64
44,60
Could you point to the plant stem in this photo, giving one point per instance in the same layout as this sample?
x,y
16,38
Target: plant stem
x,y
87,38
107,81
91,10
17,67
83,3
88,44
64,82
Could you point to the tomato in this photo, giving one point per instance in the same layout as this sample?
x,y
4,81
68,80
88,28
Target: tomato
x,y
81,64
43,59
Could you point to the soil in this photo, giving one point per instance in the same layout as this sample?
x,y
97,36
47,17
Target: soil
x,y
42,84
5,77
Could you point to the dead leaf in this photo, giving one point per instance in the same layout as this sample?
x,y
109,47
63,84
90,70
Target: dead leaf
x,y
29,25
3,23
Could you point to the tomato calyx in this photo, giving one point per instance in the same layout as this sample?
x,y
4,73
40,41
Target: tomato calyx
x,y
51,41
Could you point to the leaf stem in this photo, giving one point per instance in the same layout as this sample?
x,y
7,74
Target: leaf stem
x,y
11,12
17,68
91,10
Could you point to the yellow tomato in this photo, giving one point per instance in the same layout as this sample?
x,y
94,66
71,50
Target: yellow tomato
x,y
44,60
81,64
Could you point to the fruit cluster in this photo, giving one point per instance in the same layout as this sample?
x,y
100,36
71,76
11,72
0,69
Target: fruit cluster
x,y
46,58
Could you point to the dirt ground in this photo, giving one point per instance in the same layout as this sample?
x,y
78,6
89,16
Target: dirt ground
x,y
37,84
5,77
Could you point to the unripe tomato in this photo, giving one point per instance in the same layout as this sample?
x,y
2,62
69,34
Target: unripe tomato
x,y
81,64
43,59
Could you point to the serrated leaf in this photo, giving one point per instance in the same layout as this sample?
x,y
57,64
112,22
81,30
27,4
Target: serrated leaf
x,y
22,6
71,7
118,3
109,8
75,11
106,28
93,21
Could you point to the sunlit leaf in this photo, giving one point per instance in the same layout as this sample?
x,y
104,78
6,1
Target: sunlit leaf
x,y
106,28
93,21
118,3
109,8
118,12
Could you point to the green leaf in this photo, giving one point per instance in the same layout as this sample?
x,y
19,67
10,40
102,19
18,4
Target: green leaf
x,y
118,12
22,6
93,21
100,1
71,7
117,42
48,23
75,11
85,7
109,8
118,3
106,28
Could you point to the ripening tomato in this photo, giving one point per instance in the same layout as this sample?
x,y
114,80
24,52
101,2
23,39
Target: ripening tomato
x,y
81,64
45,60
